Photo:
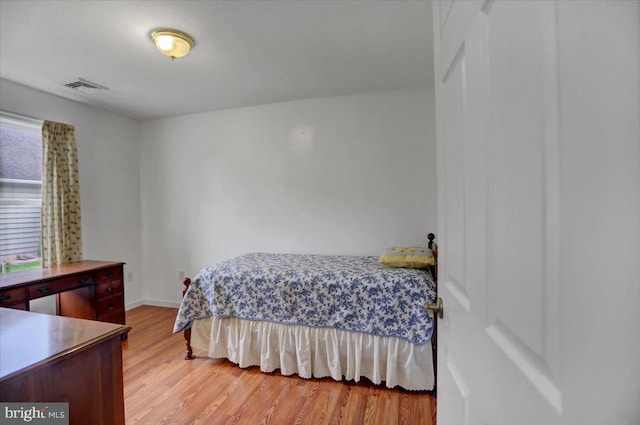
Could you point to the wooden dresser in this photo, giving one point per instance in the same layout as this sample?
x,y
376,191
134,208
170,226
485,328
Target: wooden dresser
x,y
45,358
85,289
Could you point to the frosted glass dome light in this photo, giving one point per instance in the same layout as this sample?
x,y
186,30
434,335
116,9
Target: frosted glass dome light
x,y
172,43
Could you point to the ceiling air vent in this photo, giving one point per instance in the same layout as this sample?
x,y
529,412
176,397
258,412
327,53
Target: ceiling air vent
x,y
84,86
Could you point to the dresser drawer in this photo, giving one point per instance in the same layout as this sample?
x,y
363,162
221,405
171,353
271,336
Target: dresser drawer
x,y
12,296
110,305
107,289
118,317
18,306
109,275
56,286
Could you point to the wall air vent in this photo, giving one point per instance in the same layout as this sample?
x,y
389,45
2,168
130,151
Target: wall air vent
x,y
84,86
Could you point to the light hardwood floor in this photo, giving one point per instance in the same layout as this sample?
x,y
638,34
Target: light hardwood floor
x,y
162,388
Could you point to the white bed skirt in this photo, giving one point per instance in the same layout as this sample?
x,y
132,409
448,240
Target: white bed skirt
x,y
316,352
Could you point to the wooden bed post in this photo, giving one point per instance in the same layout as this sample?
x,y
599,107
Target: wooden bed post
x,y
434,338
434,249
187,332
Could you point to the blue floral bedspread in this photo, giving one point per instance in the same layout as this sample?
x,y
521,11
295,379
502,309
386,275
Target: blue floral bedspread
x,y
349,293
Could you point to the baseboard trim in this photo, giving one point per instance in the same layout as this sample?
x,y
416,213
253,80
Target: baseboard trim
x,y
155,303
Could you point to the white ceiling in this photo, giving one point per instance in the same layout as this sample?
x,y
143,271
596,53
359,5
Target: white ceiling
x,y
246,52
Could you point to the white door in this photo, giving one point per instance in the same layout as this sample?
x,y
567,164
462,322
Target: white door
x,y
538,111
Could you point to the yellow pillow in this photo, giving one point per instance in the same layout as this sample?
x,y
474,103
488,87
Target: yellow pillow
x,y
409,257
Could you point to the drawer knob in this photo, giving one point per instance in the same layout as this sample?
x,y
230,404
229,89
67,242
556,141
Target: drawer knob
x,y
83,280
109,289
4,297
44,289
109,274
110,307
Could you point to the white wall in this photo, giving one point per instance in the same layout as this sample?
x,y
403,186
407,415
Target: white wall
x,y
339,175
108,156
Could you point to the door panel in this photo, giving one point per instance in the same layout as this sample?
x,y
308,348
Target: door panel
x,y
457,395
475,160
523,189
454,181
531,128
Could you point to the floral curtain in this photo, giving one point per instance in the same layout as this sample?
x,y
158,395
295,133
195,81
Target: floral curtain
x,y
61,225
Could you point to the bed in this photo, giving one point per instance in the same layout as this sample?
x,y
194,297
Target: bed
x,y
343,317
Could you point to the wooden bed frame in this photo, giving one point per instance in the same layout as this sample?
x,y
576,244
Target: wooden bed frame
x,y
434,338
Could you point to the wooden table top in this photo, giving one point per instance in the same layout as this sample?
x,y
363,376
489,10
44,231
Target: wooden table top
x,y
42,274
28,339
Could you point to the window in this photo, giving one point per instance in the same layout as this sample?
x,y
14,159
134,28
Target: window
x,y
20,192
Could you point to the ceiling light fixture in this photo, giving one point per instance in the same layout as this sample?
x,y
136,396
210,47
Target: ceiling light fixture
x,y
172,43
